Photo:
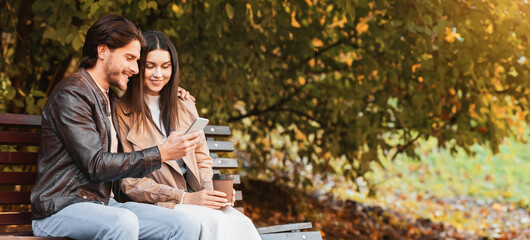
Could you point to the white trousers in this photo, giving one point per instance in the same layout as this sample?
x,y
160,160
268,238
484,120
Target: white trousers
x,y
224,224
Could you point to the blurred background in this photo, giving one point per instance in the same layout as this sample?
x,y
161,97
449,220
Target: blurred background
x,y
371,119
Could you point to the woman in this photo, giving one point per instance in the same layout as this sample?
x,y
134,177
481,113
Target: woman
x,y
147,113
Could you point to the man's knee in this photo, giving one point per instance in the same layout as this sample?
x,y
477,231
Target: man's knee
x,y
125,223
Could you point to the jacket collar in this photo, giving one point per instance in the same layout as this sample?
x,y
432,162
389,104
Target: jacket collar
x,y
114,98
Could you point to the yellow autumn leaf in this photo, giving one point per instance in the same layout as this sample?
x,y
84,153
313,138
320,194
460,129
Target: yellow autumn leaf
x,y
415,66
361,27
349,61
450,36
278,155
294,22
317,42
175,8
301,80
300,136
311,62
489,29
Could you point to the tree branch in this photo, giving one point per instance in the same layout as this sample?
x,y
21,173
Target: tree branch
x,y
402,148
276,105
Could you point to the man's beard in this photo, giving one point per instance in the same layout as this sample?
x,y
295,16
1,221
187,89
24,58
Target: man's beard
x,y
114,77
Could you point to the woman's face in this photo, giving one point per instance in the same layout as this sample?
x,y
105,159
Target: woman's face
x,y
157,71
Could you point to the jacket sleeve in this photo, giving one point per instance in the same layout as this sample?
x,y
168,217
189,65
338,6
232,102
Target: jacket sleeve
x,y
204,163
203,158
148,190
144,189
73,122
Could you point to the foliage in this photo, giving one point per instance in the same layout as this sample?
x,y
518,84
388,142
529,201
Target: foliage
x,y
308,82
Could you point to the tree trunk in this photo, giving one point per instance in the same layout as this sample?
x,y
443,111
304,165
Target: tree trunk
x,y
21,50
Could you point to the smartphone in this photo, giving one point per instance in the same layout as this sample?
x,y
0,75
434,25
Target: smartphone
x,y
198,124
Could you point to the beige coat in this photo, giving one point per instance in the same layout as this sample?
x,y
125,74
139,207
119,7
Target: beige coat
x,y
164,187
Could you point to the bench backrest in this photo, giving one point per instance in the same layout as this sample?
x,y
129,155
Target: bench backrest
x,y
222,153
19,141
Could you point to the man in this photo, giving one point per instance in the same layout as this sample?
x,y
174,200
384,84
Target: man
x,y
78,158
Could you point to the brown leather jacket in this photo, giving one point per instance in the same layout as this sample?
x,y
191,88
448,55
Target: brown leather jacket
x,y
74,164
165,186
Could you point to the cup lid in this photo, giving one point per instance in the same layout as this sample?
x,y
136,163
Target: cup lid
x,y
218,176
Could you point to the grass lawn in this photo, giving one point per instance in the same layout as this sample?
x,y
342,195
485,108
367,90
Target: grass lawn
x,y
485,194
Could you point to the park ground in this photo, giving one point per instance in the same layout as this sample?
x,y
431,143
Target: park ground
x,y
439,196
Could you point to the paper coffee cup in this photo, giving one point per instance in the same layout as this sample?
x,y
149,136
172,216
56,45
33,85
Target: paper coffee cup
x,y
224,183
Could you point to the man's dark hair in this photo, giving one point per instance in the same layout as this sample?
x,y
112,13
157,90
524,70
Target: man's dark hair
x,y
112,30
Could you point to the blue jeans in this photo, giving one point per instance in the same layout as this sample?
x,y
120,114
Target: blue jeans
x,y
129,220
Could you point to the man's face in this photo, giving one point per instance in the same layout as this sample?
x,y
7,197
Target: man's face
x,y
121,64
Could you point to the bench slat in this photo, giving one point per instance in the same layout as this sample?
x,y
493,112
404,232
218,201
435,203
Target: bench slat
x,y
20,120
18,157
14,197
222,163
16,178
22,138
292,236
239,195
220,146
15,218
29,236
237,179
217,131
285,228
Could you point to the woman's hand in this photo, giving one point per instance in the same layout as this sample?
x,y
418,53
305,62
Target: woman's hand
x,y
208,198
185,94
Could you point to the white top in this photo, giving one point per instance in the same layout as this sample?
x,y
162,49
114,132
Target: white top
x,y
153,103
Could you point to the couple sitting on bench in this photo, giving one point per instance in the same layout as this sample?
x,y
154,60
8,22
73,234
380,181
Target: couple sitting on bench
x,y
96,148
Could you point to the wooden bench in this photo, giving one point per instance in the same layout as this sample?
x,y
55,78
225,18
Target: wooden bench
x,y
19,141
224,161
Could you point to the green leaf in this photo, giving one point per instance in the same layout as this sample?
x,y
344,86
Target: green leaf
x,y
11,92
50,33
153,5
38,93
142,5
229,10
42,102
93,9
77,43
18,103
397,22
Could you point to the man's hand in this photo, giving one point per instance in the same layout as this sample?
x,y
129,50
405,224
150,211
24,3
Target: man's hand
x,y
178,145
208,198
185,94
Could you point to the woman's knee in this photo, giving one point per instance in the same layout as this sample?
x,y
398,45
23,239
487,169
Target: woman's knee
x,y
187,226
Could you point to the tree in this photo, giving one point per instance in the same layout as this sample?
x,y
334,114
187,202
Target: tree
x,y
315,87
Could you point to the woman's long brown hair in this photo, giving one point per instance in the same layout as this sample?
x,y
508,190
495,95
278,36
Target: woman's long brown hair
x,y
135,97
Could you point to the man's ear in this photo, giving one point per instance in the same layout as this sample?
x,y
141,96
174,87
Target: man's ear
x,y
103,51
